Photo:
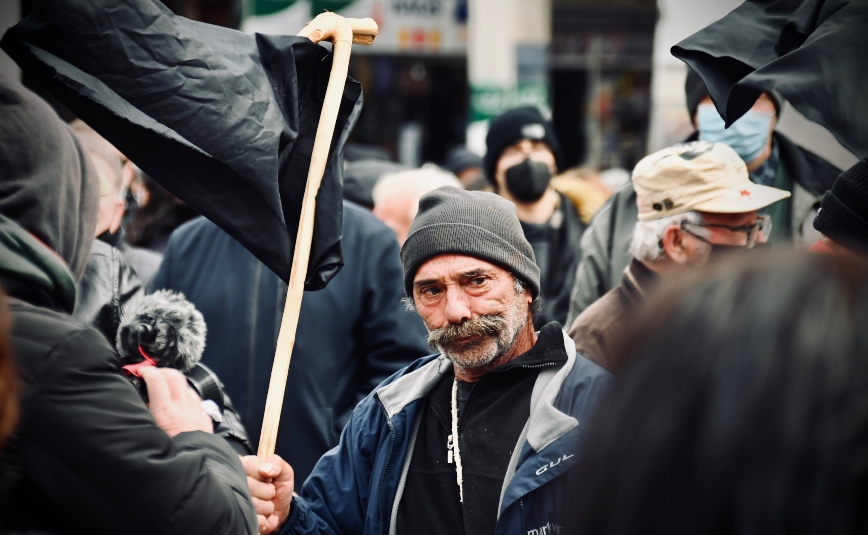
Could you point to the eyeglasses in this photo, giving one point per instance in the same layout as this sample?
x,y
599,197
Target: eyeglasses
x,y
763,226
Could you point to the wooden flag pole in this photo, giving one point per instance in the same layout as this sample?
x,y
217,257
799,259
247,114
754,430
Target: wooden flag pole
x,y
342,32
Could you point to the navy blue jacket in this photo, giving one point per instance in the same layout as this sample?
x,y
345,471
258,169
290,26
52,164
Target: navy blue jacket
x,y
356,487
351,335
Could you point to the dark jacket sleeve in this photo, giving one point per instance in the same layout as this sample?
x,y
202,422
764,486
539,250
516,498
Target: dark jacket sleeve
x,y
335,497
109,466
605,251
108,289
390,336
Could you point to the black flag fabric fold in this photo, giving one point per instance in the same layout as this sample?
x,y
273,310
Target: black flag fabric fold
x,y
223,120
814,52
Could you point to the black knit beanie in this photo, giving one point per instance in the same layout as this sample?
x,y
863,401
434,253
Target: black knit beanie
x,y
695,91
843,214
511,127
472,223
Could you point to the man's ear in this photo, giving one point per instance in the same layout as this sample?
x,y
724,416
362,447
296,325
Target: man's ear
x,y
674,244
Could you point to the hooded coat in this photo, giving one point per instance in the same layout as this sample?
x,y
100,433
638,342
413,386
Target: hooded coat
x,y
86,448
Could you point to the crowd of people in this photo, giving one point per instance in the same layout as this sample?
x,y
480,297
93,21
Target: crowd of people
x,y
509,347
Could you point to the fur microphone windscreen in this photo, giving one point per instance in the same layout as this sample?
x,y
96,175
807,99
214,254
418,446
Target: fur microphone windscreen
x,y
167,327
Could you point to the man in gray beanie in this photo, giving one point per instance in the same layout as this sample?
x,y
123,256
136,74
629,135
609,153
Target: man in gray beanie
x,y
479,438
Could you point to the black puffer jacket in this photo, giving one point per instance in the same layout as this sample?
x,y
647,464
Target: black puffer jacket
x,y
87,456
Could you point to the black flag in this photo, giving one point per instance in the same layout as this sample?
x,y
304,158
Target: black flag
x,y
814,52
223,120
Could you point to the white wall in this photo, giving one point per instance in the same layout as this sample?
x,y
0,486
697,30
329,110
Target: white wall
x,y
9,15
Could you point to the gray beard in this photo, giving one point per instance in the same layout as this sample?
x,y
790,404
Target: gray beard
x,y
494,335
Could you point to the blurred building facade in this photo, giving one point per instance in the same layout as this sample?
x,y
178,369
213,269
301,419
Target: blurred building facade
x,y
440,68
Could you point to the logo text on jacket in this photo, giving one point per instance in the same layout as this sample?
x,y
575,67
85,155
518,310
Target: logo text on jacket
x,y
542,470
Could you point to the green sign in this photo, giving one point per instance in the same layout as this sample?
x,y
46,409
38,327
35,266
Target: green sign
x,y
267,7
487,102
318,6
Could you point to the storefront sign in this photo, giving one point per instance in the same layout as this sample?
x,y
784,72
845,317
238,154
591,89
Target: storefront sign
x,y
406,26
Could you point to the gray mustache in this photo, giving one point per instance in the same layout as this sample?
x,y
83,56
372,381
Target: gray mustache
x,y
490,324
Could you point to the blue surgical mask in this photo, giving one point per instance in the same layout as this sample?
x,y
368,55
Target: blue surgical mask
x,y
748,136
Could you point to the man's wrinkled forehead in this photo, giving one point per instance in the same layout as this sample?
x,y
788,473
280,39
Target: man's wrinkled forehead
x,y
454,267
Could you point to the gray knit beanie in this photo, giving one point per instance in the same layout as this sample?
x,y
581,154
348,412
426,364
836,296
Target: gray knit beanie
x,y
472,223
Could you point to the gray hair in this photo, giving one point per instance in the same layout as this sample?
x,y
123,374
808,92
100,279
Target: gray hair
x,y
646,244
413,183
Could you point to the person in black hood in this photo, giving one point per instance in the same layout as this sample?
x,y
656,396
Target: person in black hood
x,y
86,448
522,155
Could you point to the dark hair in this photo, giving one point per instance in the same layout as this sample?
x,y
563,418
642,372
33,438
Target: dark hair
x,y
153,222
9,387
743,409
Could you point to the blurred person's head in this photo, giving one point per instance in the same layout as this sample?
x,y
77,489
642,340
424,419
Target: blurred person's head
x,y
8,377
396,196
112,169
749,136
522,154
843,214
695,200
743,407
467,166
157,216
360,177
49,184
471,275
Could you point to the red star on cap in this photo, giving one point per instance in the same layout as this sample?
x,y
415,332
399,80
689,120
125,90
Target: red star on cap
x,y
744,193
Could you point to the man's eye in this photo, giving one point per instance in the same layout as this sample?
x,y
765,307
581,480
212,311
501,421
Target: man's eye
x,y
430,291
478,281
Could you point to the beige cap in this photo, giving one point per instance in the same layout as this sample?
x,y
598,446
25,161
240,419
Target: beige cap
x,y
704,176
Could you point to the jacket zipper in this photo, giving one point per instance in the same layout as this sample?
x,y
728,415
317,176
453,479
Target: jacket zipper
x,y
527,366
386,466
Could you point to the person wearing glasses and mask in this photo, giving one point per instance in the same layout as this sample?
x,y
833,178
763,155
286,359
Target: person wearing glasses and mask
x,y
522,155
695,201
771,159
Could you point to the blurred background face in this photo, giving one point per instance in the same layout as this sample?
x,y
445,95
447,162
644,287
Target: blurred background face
x,y
724,236
749,136
397,212
111,204
698,250
537,151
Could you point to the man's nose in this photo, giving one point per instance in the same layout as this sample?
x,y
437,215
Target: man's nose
x,y
457,306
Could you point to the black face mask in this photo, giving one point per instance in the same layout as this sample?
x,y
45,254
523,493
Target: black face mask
x,y
528,180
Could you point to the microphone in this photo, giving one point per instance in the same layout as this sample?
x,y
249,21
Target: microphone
x,y
166,330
